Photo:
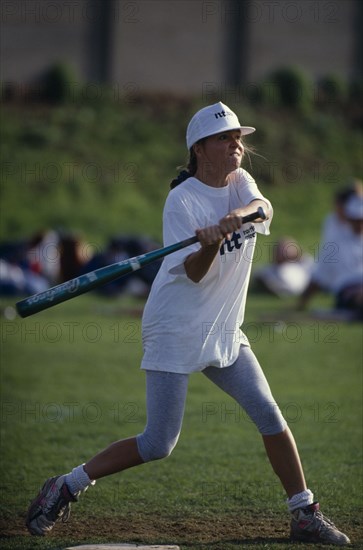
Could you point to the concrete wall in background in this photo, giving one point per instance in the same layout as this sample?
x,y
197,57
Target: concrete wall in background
x,y
320,36
178,46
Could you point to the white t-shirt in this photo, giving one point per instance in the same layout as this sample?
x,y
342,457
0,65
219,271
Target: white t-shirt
x,y
189,326
350,262
340,260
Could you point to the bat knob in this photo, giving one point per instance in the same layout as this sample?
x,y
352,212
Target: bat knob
x,y
261,212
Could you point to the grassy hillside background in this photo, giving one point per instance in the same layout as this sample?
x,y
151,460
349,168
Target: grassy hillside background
x,y
102,168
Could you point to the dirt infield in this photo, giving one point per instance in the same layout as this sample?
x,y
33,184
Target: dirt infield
x,y
187,532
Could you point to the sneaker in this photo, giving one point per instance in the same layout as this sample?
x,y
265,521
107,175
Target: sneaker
x,y
52,504
309,525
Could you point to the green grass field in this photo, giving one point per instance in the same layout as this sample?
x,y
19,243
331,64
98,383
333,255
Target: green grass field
x,y
71,384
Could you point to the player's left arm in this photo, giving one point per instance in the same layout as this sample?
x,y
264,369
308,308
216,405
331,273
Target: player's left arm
x,y
234,217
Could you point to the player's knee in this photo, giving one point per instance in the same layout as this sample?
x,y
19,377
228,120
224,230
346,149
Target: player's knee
x,y
154,450
161,451
269,420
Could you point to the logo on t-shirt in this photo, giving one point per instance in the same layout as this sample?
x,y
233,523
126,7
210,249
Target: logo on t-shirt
x,y
237,240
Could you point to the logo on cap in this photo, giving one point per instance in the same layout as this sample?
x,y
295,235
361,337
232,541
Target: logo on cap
x,y
222,114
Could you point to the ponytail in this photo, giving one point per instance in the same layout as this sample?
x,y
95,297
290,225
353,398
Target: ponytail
x,y
189,172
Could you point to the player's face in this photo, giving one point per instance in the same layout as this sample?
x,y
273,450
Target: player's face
x,y
224,151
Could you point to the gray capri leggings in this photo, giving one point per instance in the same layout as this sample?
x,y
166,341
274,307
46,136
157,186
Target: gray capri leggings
x,y
166,394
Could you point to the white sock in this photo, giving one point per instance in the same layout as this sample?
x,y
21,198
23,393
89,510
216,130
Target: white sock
x,y
77,480
300,500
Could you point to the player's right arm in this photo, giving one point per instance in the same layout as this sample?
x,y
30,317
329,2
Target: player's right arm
x,y
198,263
210,238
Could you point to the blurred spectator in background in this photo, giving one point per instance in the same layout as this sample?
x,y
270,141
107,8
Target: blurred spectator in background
x,y
16,281
48,258
16,274
72,256
121,248
43,255
340,254
288,274
349,281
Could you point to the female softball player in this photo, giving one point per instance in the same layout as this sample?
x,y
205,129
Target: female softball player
x,y
192,323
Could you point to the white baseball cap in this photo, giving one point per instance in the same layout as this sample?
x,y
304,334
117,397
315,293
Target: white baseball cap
x,y
354,208
212,120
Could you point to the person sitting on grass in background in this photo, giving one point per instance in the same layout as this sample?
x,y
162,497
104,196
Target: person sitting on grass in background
x,y
348,289
336,234
206,283
289,272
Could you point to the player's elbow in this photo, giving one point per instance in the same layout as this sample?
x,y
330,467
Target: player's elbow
x,y
194,278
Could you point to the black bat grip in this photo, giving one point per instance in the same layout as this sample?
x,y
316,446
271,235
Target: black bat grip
x,y
260,213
